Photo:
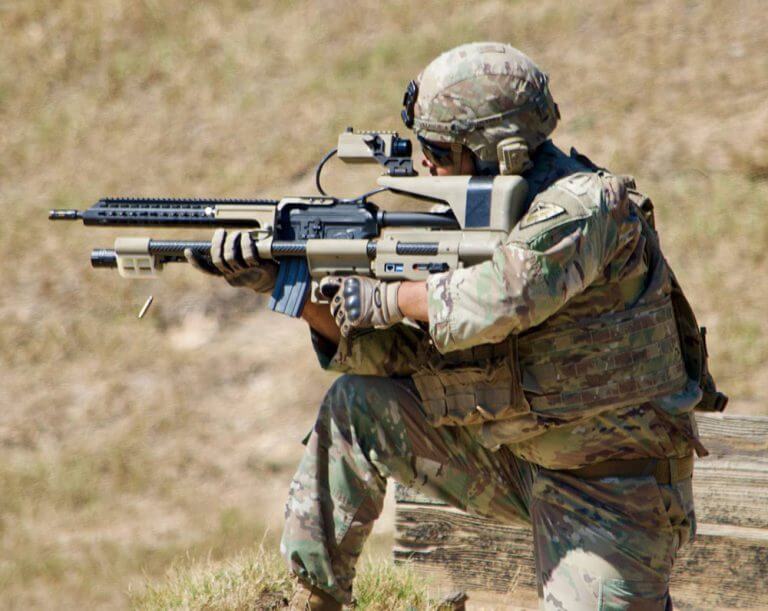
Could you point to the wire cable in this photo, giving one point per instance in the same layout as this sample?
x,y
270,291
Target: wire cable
x,y
360,199
319,169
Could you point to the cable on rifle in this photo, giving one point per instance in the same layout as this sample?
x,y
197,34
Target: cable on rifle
x,y
360,199
319,169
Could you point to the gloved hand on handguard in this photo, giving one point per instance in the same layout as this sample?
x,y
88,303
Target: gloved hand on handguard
x,y
234,256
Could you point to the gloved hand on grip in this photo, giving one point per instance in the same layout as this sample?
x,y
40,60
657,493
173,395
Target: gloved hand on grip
x,y
234,255
358,302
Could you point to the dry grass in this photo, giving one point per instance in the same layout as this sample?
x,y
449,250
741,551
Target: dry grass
x,y
259,580
125,444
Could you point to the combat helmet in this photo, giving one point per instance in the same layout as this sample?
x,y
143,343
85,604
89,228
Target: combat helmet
x,y
486,96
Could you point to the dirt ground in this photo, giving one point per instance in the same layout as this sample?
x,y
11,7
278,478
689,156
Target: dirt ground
x,y
127,446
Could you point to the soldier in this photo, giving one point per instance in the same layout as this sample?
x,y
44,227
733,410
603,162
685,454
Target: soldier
x,y
552,385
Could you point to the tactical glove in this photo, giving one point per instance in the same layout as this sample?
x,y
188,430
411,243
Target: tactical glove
x,y
234,256
358,302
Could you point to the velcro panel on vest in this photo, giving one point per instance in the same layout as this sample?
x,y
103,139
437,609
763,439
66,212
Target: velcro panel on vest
x,y
608,361
471,386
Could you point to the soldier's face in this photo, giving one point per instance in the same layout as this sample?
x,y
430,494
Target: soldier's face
x,y
438,159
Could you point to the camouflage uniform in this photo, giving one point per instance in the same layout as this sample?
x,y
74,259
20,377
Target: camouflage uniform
x,y
581,255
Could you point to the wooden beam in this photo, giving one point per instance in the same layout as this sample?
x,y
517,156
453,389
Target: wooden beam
x,y
726,567
739,434
466,551
731,493
730,486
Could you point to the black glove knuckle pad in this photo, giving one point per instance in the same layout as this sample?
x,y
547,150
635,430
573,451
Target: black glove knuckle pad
x,y
352,306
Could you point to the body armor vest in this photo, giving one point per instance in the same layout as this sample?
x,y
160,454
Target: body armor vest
x,y
581,368
605,362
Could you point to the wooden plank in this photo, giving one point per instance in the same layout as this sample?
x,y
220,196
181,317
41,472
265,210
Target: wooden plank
x,y
725,492
472,552
731,492
742,429
735,438
730,485
726,567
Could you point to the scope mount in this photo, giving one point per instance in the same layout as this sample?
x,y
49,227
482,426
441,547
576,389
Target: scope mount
x,y
396,165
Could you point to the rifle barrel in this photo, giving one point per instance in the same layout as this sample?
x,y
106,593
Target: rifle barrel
x,y
170,251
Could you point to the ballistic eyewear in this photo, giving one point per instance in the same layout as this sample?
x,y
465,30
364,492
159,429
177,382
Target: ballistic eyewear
x,y
439,155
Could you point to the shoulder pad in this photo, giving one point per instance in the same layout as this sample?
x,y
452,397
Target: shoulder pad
x,y
569,199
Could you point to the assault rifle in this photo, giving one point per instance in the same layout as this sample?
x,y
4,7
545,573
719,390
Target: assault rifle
x,y
314,236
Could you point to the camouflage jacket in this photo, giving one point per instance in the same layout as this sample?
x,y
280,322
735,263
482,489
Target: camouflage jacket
x,y
580,252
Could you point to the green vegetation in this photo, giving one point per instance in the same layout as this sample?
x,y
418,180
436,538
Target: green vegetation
x,y
259,580
127,445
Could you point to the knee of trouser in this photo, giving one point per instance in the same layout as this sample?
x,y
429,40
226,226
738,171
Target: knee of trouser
x,y
364,407
345,394
343,385
341,405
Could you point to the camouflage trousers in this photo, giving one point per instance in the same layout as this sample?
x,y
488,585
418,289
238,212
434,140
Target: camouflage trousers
x,y
599,544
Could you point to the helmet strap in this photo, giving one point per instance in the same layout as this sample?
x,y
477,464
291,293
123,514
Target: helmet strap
x,y
485,168
457,150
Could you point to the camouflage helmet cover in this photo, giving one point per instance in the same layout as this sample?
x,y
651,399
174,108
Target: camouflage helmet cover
x,y
480,93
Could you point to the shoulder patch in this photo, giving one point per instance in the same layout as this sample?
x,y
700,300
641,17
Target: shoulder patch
x,y
541,211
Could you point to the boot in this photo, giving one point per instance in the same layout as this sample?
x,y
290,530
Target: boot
x,y
455,601
309,598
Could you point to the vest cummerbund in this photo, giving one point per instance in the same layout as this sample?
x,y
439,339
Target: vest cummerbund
x,y
568,371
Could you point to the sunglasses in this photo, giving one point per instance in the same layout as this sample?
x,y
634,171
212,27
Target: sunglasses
x,y
439,155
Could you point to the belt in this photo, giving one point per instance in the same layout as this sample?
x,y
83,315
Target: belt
x,y
665,470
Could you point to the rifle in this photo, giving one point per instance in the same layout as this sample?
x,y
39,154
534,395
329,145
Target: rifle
x,y
314,236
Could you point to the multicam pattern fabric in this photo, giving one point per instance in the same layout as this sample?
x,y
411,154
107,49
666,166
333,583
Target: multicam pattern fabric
x,y
383,352
601,544
591,261
479,80
540,268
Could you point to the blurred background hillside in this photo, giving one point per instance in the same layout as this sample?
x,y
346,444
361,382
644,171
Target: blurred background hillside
x,y
127,446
